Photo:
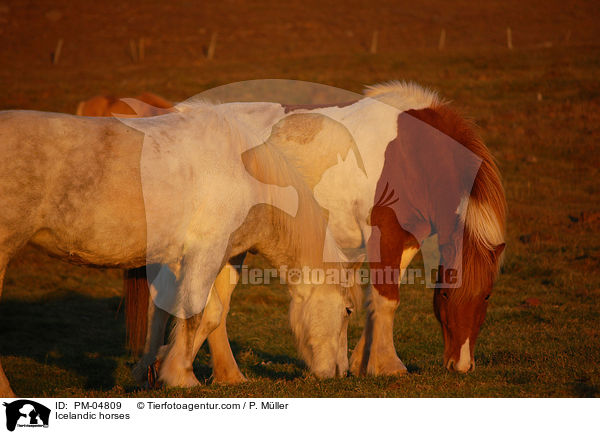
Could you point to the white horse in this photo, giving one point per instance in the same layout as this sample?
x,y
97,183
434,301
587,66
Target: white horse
x,y
444,182
190,192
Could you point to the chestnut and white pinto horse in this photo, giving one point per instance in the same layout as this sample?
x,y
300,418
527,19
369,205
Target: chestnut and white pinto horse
x,y
420,170
427,173
192,191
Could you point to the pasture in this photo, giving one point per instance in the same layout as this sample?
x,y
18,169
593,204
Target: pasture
x,y
538,109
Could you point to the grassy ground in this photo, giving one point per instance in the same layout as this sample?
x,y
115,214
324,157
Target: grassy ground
x,y
538,109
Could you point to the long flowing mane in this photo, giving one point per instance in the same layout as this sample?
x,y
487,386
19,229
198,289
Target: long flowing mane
x,y
484,211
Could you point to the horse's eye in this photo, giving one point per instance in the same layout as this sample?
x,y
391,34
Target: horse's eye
x,y
487,297
349,311
445,295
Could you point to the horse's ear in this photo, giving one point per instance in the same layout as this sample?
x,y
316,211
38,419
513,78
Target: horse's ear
x,y
498,250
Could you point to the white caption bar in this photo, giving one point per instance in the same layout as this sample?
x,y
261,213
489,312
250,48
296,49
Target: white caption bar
x,y
249,415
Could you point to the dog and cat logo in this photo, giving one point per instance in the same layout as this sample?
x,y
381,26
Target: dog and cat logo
x,y
25,413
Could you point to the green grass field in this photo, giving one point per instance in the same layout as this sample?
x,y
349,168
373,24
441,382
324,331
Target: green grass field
x,y
61,333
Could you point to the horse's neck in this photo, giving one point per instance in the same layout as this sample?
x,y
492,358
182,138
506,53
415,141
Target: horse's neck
x,y
286,240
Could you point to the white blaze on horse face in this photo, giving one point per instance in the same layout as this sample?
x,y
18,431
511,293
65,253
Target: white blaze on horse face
x,y
464,361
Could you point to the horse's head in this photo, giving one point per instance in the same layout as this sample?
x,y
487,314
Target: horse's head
x,y
319,315
461,310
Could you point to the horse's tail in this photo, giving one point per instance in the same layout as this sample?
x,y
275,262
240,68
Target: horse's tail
x,y
137,297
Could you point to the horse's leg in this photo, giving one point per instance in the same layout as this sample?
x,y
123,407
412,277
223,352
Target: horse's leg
x,y
225,368
176,369
155,338
5,389
157,319
375,353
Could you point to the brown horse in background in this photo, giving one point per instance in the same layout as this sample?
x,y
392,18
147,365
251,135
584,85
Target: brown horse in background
x,y
109,105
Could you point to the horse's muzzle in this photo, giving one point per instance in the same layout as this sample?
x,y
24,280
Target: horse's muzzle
x,y
463,368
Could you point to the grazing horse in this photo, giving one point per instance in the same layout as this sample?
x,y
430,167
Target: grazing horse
x,y
423,172
189,190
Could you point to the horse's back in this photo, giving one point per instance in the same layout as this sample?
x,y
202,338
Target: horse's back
x,y
71,184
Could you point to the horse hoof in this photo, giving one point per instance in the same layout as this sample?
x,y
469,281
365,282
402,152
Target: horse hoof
x,y
355,367
392,366
356,363
189,381
181,378
234,378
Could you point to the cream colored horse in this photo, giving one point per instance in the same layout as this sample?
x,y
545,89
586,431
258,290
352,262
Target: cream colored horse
x,y
188,189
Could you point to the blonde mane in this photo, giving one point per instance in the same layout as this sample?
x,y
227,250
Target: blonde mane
x,y
484,210
403,95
